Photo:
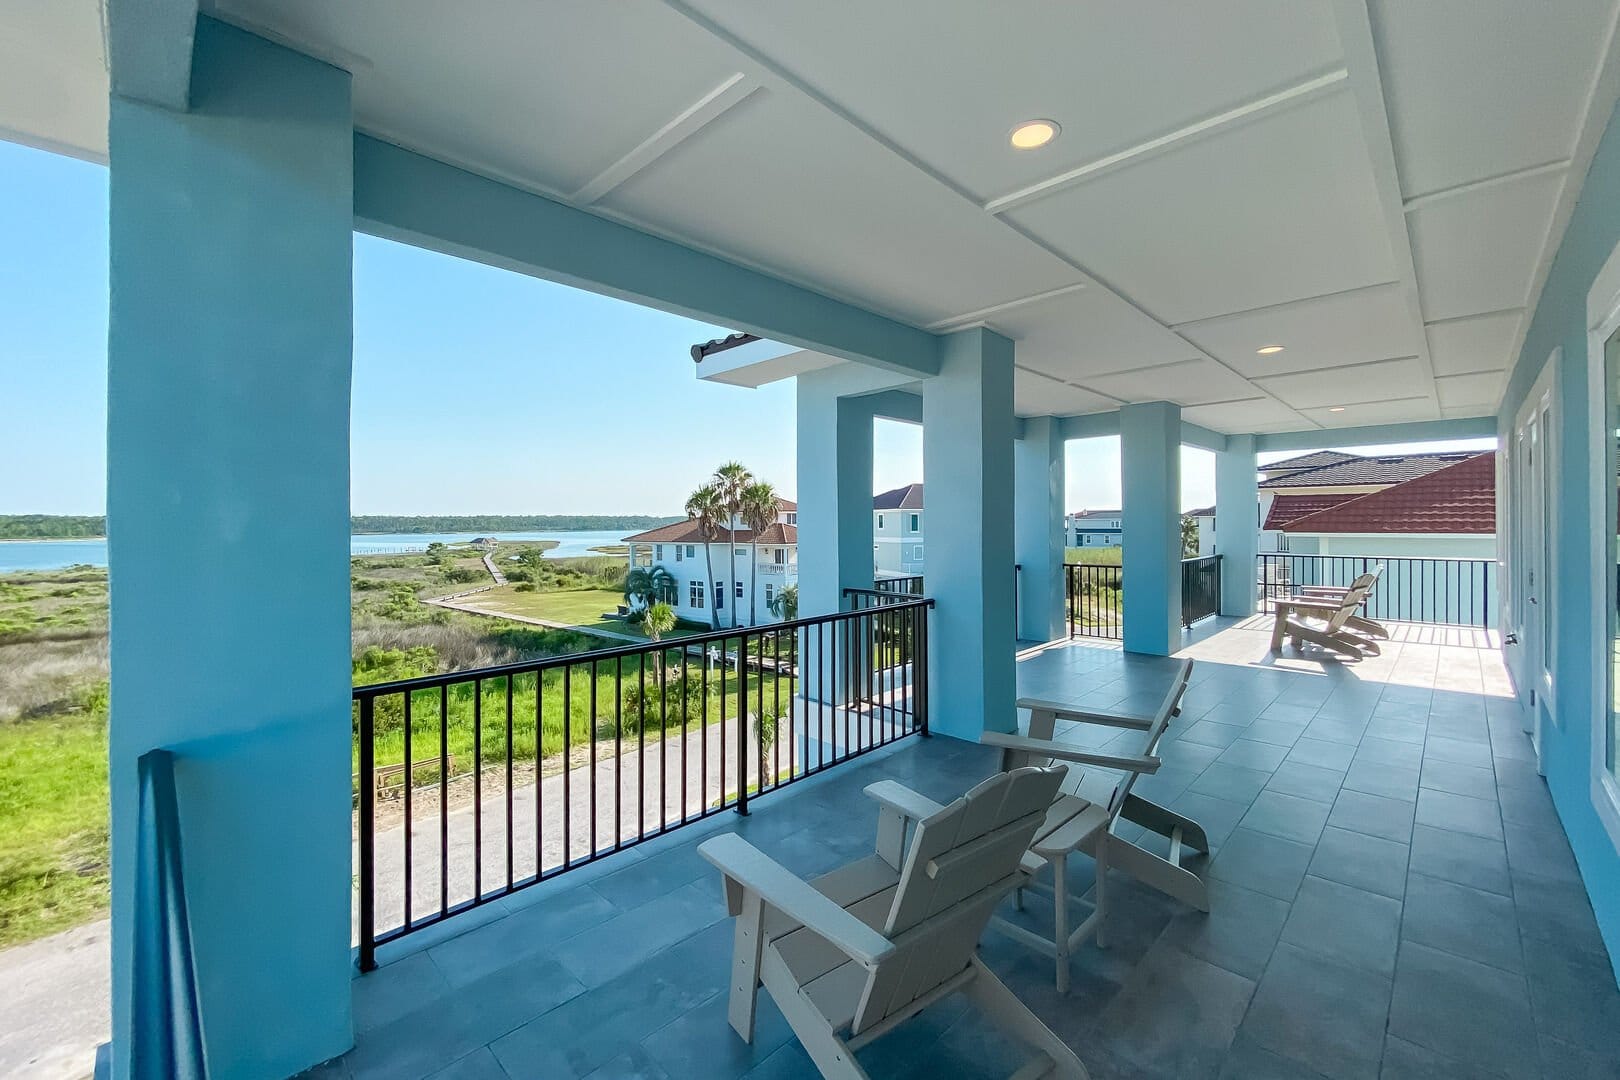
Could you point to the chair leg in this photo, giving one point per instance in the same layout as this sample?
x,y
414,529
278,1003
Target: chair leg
x,y
1278,626
1011,1015
1101,912
1060,920
746,944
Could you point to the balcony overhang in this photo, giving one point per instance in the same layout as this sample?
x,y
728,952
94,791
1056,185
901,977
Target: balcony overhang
x,y
760,362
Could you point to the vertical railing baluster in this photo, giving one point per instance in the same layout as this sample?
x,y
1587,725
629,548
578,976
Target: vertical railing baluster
x,y
478,786
509,755
367,796
568,765
618,752
591,854
444,799
410,821
742,726
641,749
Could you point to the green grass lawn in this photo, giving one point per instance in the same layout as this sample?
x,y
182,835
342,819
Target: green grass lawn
x,y
53,822
1095,556
584,608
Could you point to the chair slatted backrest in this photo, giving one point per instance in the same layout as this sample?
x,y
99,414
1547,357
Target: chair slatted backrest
x,y
1350,604
962,861
1155,732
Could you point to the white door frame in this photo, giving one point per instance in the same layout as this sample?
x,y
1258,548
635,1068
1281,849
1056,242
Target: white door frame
x,y
1603,322
1533,563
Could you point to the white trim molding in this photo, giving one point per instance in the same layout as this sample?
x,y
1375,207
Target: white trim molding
x,y
1603,322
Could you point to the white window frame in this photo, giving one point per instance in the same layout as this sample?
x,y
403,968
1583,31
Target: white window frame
x,y
677,553
880,521
770,594
694,595
916,522
691,551
1603,322
658,552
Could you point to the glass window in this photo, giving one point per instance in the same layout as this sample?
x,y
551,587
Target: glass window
x,y
719,597
658,552
677,553
695,595
739,589
880,521
691,551
779,556
916,522
1611,438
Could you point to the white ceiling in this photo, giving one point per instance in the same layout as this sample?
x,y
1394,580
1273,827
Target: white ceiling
x,y
1377,185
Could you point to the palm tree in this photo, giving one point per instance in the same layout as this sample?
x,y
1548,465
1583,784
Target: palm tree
x,y
656,621
650,585
704,507
730,481
758,513
786,604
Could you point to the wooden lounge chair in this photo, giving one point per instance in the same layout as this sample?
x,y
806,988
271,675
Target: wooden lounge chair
x,y
1357,623
1083,815
1325,622
853,954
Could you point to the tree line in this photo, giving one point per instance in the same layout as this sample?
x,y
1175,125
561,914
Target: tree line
x,y
71,526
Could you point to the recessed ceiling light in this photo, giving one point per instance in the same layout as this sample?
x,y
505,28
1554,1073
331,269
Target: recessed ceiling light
x,y
1269,350
1337,408
1034,134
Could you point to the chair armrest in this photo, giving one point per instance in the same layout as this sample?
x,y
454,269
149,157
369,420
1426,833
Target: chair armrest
x,y
1323,590
778,887
902,800
1323,604
1136,763
1086,716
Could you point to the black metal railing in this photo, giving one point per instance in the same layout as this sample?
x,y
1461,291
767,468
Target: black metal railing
x,y
1096,608
476,784
1451,592
1200,589
900,585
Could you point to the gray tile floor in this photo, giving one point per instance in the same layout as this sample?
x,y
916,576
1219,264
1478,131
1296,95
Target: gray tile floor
x,y
1391,895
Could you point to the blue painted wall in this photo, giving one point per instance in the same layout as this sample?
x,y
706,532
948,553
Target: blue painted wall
x,y
1560,319
229,352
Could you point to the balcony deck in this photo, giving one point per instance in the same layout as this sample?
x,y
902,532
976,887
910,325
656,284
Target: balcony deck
x,y
1391,895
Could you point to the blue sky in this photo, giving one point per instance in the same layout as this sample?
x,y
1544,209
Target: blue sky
x,y
476,390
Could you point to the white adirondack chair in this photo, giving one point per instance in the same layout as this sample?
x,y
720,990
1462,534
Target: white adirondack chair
x,y
853,954
1082,817
1327,621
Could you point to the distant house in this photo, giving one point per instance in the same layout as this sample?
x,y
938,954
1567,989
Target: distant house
x,y
1303,487
1447,510
897,531
1204,518
713,581
1093,528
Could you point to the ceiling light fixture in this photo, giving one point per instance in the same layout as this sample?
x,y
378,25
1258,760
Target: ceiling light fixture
x,y
1337,408
1034,134
1269,350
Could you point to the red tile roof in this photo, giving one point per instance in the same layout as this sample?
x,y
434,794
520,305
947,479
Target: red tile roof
x,y
909,497
1287,508
1459,498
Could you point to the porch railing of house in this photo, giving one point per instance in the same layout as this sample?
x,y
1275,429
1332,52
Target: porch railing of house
x,y
1200,589
477,784
900,585
1451,592
1094,595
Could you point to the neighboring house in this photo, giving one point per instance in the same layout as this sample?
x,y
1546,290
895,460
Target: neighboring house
x,y
1307,485
897,531
1093,528
1204,519
1449,511
706,586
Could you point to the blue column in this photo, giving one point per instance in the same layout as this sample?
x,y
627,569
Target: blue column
x,y
1038,494
1237,525
229,351
1150,477
968,459
835,492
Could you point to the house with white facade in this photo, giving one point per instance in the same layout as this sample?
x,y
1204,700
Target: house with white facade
x,y
897,531
714,574
1093,528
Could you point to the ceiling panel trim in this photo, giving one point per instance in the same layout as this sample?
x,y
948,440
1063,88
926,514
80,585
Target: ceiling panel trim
x,y
1366,82
1298,94
974,318
689,122
1546,168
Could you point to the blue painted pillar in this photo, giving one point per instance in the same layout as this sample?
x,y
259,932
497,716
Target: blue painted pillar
x,y
1237,525
835,492
968,459
1038,494
1150,477
229,348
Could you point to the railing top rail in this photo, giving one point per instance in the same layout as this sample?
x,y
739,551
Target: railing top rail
x,y
546,663
1201,558
1376,558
